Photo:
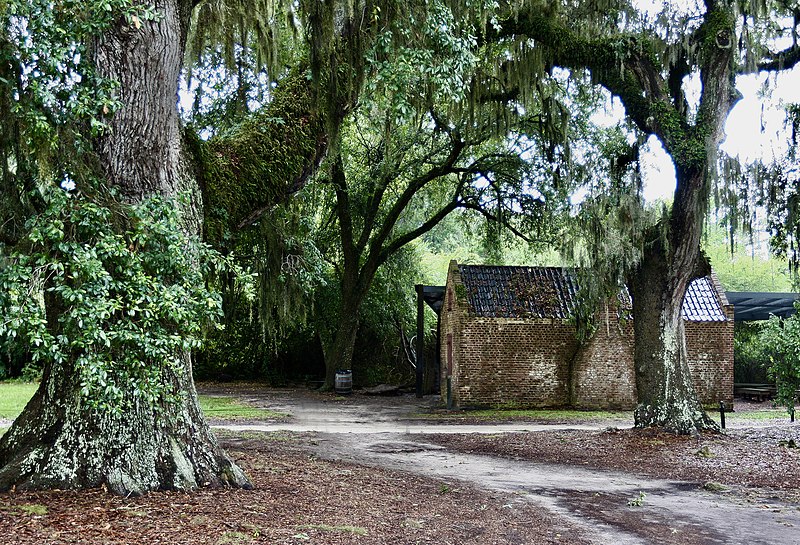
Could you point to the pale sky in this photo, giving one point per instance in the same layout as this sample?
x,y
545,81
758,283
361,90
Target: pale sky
x,y
755,128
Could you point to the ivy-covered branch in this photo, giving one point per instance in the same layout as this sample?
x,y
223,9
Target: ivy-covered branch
x,y
626,66
615,62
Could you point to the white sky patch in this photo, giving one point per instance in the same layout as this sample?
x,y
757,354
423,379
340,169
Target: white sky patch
x,y
756,127
658,172
754,130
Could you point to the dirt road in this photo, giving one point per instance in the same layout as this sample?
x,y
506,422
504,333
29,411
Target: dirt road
x,y
614,507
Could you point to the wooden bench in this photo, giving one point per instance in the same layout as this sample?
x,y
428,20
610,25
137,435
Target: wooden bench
x,y
757,393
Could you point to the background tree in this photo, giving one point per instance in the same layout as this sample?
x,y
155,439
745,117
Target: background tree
x,y
389,193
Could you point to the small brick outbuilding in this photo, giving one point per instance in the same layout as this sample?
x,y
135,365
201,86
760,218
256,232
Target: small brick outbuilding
x,y
507,339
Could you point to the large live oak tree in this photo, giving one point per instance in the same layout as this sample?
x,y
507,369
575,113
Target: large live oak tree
x,y
646,72
61,440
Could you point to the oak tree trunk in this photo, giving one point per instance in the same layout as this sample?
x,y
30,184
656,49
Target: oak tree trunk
x,y
666,394
340,353
58,441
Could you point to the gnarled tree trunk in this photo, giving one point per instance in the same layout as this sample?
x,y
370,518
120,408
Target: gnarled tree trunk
x,y
59,441
666,394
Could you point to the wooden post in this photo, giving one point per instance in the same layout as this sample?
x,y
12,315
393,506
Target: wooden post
x,y
420,338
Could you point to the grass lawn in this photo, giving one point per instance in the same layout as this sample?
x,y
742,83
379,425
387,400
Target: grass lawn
x,y
14,396
761,415
550,414
228,408
544,415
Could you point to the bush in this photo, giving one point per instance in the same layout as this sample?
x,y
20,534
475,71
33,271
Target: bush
x,y
782,336
116,290
750,353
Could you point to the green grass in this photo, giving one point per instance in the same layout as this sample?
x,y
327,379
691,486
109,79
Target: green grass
x,y
552,414
763,414
529,414
33,509
14,396
230,408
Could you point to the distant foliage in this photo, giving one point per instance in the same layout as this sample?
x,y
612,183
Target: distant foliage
x,y
751,356
783,338
124,285
746,267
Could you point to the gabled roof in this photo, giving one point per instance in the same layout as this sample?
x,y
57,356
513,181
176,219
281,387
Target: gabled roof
x,y
550,292
519,292
701,303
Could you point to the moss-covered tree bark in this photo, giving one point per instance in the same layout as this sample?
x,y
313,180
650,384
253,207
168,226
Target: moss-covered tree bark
x,y
59,441
245,172
628,66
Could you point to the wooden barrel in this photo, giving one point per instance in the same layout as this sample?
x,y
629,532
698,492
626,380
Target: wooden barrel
x,y
344,381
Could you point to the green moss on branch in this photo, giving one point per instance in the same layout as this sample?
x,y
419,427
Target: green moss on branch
x,y
246,171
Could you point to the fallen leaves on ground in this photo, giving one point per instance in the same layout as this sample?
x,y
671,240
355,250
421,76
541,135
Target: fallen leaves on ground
x,y
297,499
747,458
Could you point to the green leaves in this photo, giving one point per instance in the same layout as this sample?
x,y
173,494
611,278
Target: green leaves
x,y
124,291
422,60
782,335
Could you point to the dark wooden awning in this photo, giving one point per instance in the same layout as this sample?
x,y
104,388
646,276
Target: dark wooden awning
x,y
434,296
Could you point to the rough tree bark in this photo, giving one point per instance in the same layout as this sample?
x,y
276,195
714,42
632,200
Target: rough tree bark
x,y
59,442
665,391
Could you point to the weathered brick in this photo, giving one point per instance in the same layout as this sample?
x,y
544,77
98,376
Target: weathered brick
x,y
539,362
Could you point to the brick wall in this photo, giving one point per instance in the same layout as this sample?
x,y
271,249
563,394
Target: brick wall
x,y
513,362
710,352
452,313
538,363
602,374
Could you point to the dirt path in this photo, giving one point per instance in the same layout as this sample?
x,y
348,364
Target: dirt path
x,y
614,507
670,512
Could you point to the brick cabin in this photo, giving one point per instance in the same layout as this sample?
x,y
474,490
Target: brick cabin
x,y
507,339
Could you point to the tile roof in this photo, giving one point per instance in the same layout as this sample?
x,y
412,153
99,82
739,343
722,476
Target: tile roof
x,y
519,292
701,303
551,292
